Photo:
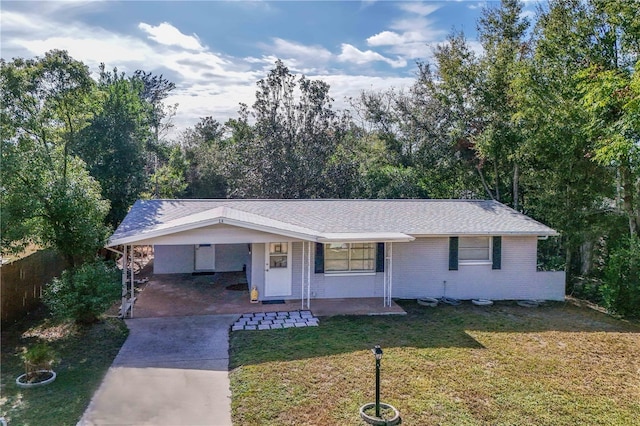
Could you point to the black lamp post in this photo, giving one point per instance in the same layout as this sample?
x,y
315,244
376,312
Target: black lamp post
x,y
377,352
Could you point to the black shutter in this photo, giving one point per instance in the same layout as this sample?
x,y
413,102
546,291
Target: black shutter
x,y
319,258
380,258
453,253
497,253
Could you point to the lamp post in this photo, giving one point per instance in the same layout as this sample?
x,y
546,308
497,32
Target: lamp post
x,y
377,352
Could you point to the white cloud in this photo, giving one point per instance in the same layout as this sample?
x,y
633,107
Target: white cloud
x,y
422,9
412,35
357,56
169,35
298,57
300,51
208,83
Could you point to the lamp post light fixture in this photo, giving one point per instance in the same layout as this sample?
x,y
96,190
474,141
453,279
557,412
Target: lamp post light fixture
x,y
392,415
377,352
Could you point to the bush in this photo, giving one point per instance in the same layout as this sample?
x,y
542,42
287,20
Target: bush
x,y
621,289
85,292
38,357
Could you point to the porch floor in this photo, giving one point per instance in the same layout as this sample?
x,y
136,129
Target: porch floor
x,y
187,295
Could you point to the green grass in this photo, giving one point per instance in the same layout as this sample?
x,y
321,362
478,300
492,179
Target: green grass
x,y
466,365
85,354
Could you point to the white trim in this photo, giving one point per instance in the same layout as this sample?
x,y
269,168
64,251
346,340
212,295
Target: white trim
x,y
365,237
494,233
488,261
349,274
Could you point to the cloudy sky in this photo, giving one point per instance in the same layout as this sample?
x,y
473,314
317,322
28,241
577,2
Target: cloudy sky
x,y
215,51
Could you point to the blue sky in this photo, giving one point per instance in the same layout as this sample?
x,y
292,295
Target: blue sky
x,y
215,51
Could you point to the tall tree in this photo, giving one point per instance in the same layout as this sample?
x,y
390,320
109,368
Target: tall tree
x,y
155,89
501,31
565,187
47,195
205,149
113,144
609,89
286,153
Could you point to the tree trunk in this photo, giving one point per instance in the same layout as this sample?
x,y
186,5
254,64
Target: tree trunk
x,y
484,183
497,178
567,268
628,200
516,178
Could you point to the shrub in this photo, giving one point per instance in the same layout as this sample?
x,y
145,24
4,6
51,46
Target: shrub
x,y
38,357
85,292
621,289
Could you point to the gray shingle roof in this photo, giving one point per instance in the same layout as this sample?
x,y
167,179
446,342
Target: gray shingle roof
x,y
324,216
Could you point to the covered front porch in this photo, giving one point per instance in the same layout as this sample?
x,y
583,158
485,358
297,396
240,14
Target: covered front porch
x,y
167,295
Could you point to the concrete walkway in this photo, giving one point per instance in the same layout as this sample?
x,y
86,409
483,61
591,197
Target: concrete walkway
x,y
170,371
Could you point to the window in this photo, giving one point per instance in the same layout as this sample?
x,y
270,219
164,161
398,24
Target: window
x,y
349,257
278,255
474,250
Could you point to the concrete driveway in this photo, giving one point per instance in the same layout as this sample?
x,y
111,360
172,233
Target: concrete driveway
x,y
171,371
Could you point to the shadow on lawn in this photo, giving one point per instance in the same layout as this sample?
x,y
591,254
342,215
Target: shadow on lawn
x,y
440,327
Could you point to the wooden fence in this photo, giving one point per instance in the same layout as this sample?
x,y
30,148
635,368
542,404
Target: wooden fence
x,y
22,281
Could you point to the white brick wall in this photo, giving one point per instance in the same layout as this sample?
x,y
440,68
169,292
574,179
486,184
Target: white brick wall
x,y
421,269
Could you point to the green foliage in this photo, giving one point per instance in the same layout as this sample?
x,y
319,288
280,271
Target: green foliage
x,y
48,197
40,356
85,292
169,179
621,289
291,146
113,144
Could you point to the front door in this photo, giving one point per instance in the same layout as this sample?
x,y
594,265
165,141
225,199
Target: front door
x,y
277,276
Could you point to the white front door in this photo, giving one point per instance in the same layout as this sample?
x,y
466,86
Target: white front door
x,y
277,275
205,257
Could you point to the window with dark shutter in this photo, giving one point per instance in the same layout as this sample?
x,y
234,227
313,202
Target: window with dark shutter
x,y
380,257
453,253
319,259
497,253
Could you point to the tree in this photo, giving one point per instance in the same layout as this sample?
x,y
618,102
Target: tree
x,y
293,141
113,144
155,89
205,149
169,179
609,88
48,197
501,32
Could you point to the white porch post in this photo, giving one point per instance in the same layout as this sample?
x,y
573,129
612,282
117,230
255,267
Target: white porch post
x,y
384,275
124,282
390,274
309,248
302,277
132,287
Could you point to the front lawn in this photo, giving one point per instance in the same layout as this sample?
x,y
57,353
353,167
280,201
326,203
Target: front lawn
x,y
502,365
85,353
